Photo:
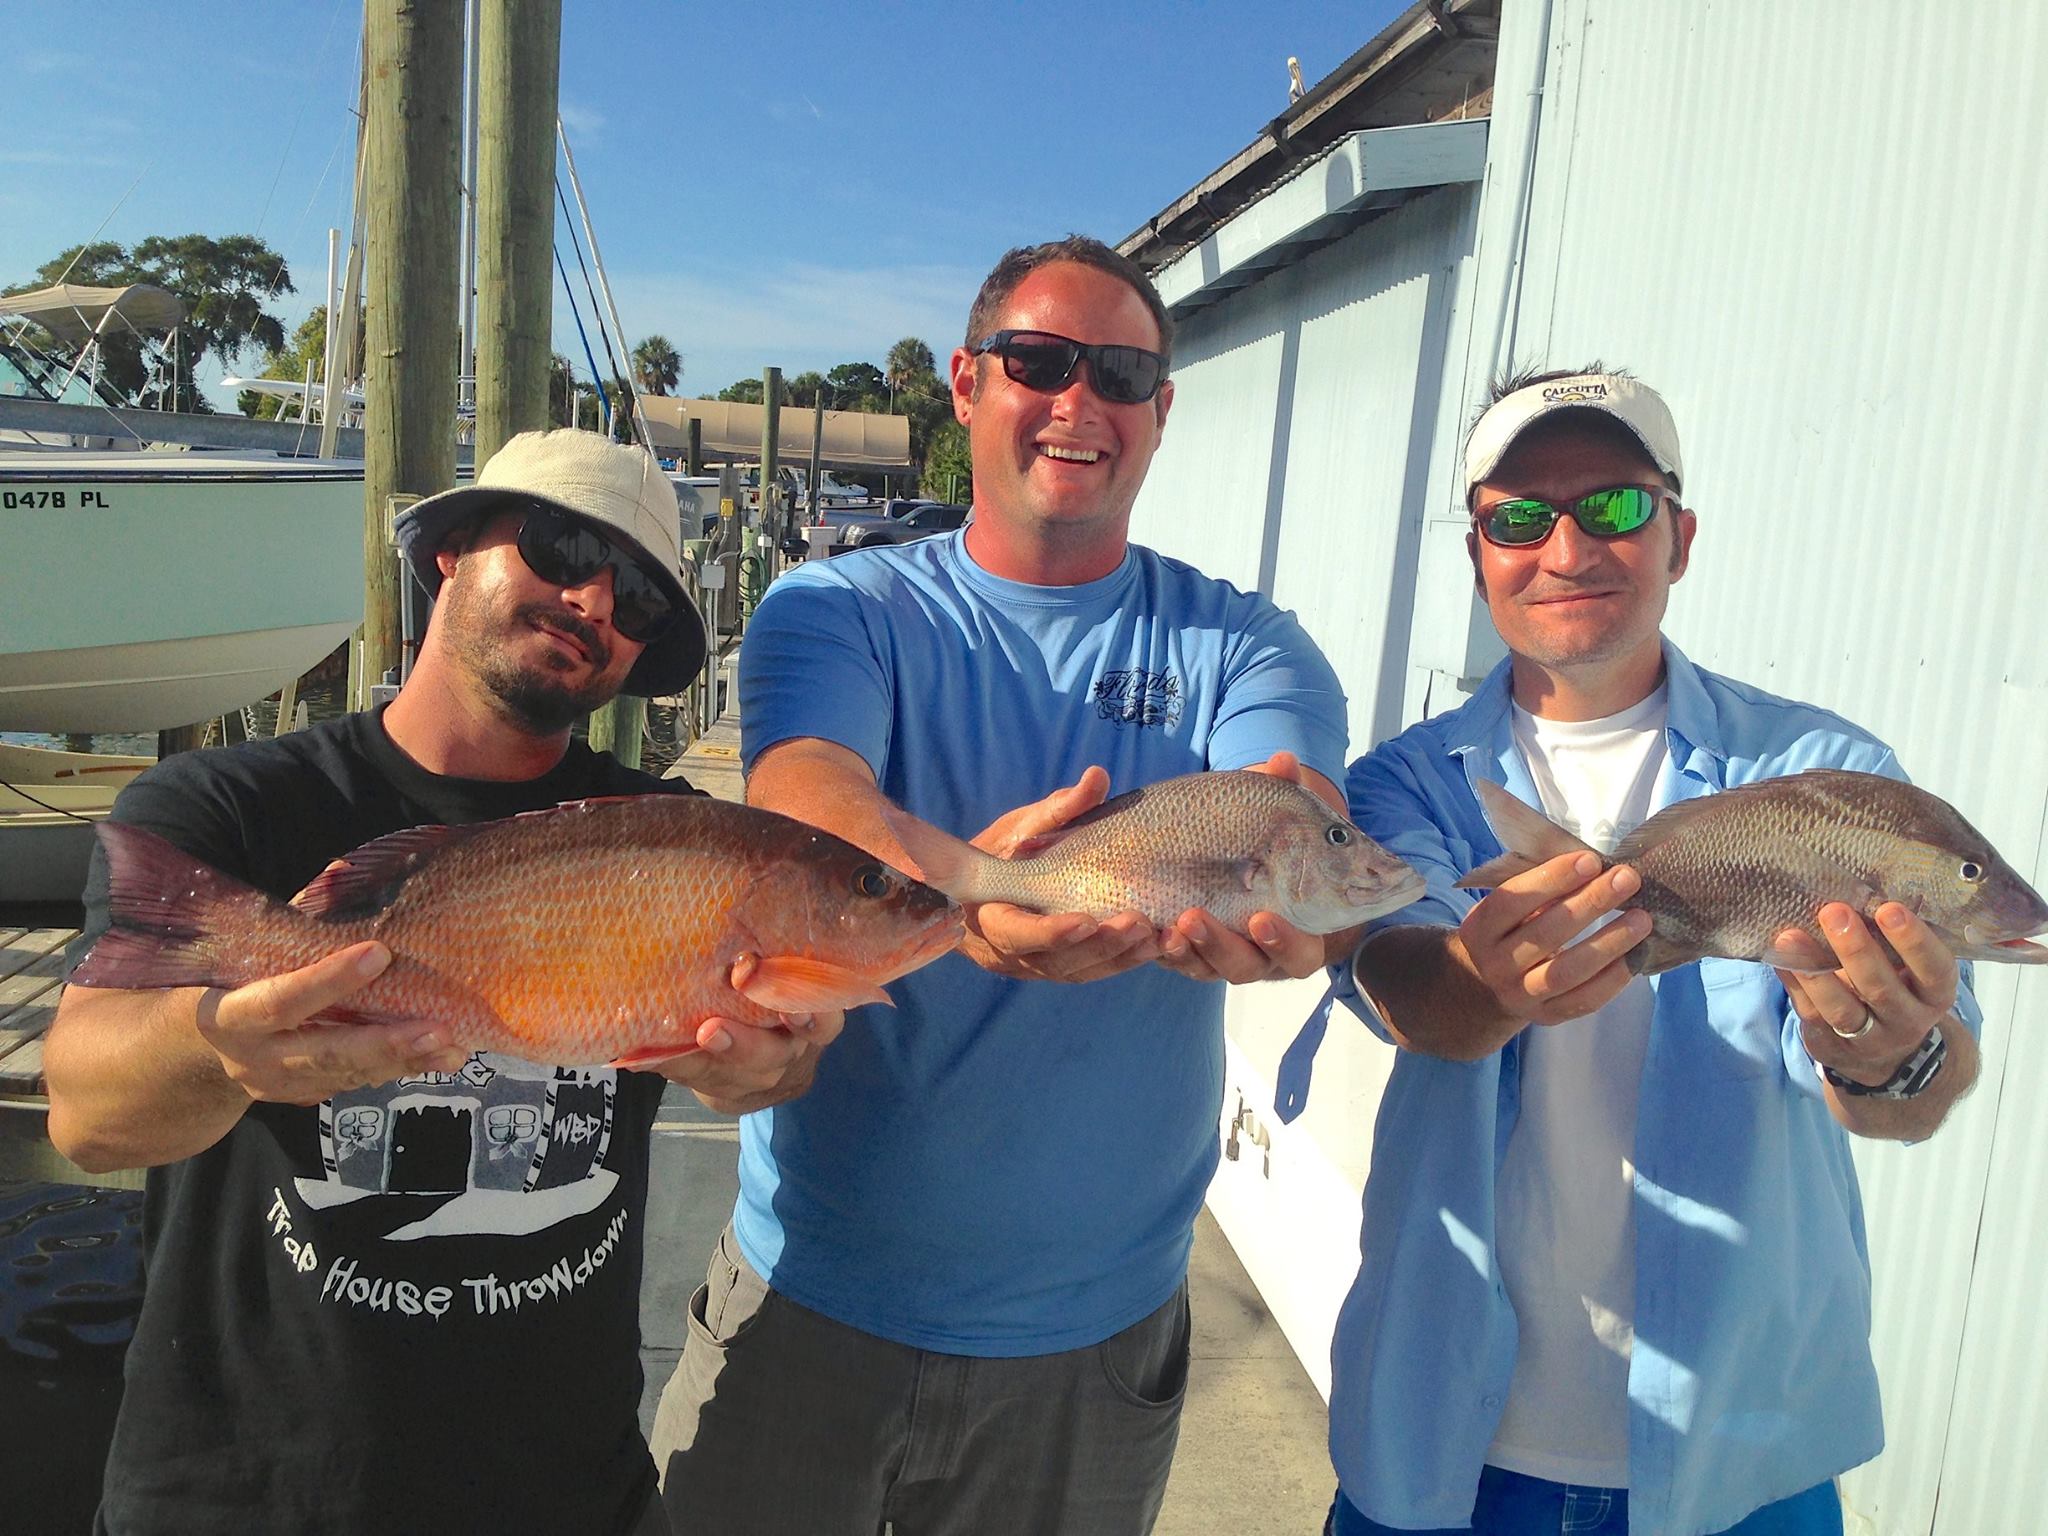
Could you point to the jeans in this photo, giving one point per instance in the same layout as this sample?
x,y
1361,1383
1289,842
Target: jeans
x,y
1510,1504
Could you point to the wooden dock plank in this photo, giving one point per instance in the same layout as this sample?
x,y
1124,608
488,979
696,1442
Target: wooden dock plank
x,y
31,981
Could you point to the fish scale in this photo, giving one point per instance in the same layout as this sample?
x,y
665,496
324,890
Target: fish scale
x,y
1231,843
1726,873
601,930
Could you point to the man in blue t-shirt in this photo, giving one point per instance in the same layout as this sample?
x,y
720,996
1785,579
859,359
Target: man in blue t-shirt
x,y
952,1297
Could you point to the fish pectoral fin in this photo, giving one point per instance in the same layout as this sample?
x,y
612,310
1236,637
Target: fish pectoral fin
x,y
1811,957
800,984
1523,830
642,1056
1494,872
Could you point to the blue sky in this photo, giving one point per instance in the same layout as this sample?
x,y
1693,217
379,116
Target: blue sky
x,y
797,183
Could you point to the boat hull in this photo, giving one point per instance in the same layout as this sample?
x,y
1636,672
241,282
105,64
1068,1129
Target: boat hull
x,y
50,802
144,596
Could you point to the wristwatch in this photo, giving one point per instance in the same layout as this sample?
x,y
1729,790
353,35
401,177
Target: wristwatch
x,y
1909,1081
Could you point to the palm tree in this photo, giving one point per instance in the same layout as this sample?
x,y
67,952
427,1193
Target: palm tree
x,y
656,365
907,359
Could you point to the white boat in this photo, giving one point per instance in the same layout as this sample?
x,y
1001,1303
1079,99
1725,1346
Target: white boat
x,y
147,590
49,804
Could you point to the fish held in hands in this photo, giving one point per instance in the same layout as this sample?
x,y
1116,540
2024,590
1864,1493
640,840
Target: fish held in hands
x,y
1231,842
597,931
1727,873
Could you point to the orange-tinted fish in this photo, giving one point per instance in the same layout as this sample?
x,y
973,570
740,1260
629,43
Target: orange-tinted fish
x,y
598,931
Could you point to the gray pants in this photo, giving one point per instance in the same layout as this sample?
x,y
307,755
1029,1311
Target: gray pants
x,y
781,1422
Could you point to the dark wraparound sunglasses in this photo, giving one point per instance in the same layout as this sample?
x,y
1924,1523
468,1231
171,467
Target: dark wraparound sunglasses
x,y
1043,361
566,551
1524,522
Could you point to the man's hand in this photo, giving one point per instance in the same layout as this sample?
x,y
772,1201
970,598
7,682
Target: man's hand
x,y
1200,947
1899,1003
738,1068
270,1049
1518,939
1065,946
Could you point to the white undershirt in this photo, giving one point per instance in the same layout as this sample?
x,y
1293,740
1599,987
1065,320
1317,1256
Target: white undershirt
x,y
1565,1217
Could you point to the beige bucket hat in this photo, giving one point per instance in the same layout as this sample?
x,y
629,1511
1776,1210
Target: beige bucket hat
x,y
618,487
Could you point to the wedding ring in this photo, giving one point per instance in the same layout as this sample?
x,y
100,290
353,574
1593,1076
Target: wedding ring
x,y
1869,1023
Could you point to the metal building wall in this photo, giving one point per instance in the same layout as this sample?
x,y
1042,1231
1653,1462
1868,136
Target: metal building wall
x,y
1294,463
1818,230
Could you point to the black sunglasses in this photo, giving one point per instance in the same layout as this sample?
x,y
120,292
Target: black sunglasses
x,y
1042,361
1523,522
566,551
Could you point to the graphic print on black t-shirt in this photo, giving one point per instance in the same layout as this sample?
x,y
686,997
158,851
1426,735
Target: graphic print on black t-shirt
x,y
504,1145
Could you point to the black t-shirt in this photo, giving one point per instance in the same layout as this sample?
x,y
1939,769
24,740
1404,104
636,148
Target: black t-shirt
x,y
413,1307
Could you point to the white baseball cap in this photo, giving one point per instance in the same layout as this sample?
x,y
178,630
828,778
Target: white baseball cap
x,y
1632,403
603,482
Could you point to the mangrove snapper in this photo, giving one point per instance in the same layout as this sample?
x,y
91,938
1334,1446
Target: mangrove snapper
x,y
1232,843
1727,873
597,931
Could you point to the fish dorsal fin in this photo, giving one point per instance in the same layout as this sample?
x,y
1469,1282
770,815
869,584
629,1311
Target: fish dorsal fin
x,y
588,803
1529,836
365,879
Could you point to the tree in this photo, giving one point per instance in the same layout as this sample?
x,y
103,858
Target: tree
x,y
909,356
561,391
803,389
657,366
590,410
308,347
223,284
857,387
742,392
948,465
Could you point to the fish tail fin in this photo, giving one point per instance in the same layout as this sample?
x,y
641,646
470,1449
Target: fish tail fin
x,y
1530,837
956,867
176,922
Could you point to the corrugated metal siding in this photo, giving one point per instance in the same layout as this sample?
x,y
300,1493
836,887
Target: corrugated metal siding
x,y
1819,233
1818,230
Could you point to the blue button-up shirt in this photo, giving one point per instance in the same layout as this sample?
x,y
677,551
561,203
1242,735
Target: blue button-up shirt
x,y
1750,1377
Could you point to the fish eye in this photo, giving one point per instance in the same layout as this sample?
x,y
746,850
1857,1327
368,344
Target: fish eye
x,y
1338,836
1971,871
870,881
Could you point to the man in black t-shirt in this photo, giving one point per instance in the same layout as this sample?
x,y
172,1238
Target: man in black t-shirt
x,y
393,1286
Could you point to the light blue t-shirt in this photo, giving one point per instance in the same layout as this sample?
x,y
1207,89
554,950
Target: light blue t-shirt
x,y
1750,1379
998,1167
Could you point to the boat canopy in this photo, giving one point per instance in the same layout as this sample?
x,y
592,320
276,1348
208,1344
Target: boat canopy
x,y
75,314
731,433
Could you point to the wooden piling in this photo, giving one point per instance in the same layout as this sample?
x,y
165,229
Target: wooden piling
x,y
771,439
412,230
519,45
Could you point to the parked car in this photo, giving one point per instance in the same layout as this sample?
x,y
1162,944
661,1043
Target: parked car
x,y
899,521
911,520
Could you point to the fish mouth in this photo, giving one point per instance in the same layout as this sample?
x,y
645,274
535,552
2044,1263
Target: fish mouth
x,y
1384,896
1989,945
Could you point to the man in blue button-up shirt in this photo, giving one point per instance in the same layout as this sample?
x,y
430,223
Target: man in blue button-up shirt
x,y
1614,1274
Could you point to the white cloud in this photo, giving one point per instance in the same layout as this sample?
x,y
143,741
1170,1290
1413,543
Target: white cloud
x,y
582,122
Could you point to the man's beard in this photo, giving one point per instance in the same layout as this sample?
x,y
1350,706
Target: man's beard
x,y
537,698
